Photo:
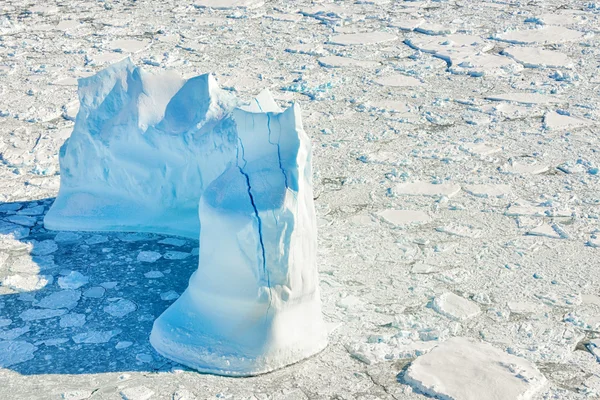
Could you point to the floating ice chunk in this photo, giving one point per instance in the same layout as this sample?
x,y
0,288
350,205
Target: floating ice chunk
x,y
429,28
13,230
427,189
96,292
129,45
142,392
104,58
544,35
81,394
407,23
556,121
460,43
284,17
447,372
67,237
169,296
547,230
37,314
142,163
311,49
15,352
460,230
524,168
525,98
96,337
148,256
44,247
362,38
176,255
123,345
72,320
534,57
22,220
404,217
5,322
96,239
480,149
63,299
257,261
229,4
525,307
173,242
14,333
34,210
120,308
455,307
350,302
154,274
74,280
342,62
398,80
488,190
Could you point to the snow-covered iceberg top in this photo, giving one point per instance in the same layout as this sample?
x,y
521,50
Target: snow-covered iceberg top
x,y
157,153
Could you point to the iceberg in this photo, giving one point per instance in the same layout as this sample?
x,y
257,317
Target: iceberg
x,y
253,305
143,148
157,153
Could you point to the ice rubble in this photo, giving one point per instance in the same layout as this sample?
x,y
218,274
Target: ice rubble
x,y
144,150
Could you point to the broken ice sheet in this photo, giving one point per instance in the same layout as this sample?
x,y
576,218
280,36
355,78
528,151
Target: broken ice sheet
x,y
398,80
404,217
427,189
345,62
560,121
366,38
460,230
534,57
447,372
455,307
543,35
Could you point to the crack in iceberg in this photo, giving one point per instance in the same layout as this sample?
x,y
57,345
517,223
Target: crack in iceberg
x,y
260,233
285,179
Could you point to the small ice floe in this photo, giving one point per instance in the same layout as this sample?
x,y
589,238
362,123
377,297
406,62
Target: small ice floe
x,y
455,307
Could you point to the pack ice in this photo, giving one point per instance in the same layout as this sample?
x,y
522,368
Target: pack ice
x,y
145,150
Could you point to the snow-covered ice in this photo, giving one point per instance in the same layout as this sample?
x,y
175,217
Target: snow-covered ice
x,y
448,370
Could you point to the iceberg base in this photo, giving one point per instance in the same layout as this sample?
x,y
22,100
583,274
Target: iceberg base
x,y
188,336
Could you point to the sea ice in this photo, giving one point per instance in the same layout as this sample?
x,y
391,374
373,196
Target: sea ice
x,y
448,371
341,62
533,57
544,35
257,259
15,352
120,308
404,217
367,38
455,307
74,280
398,80
427,189
37,314
62,299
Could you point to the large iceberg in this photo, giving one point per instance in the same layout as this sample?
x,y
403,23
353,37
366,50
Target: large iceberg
x,y
145,150
253,304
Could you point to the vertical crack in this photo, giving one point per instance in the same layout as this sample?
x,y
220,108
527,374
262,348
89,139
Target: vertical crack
x,y
260,233
285,179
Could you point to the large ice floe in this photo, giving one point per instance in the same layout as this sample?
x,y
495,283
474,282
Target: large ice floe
x,y
145,150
